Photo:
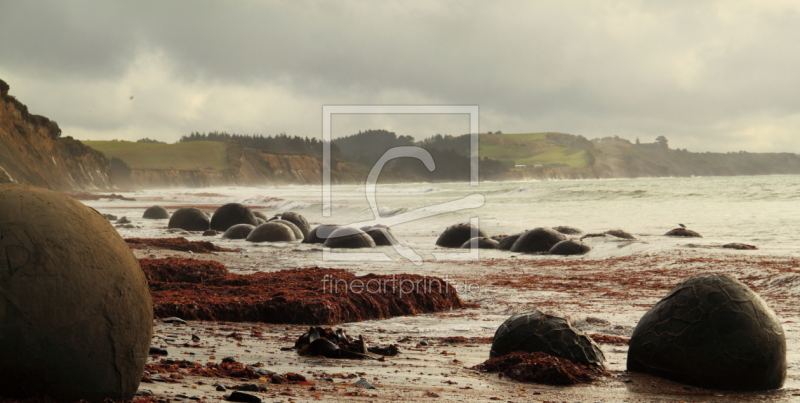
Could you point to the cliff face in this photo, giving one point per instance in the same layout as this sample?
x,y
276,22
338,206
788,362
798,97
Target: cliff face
x,y
32,152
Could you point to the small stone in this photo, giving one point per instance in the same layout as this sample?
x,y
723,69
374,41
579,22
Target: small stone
x,y
229,358
221,388
264,372
210,232
174,320
144,392
364,384
124,220
251,387
159,351
195,337
242,397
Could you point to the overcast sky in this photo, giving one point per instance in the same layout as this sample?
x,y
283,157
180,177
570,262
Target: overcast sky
x,y
710,76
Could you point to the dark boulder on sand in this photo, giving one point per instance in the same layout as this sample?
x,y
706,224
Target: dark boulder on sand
x,y
271,232
568,230
349,237
261,215
455,235
230,215
570,247
297,220
683,232
536,331
381,234
239,231
298,234
76,309
156,213
620,234
480,243
320,233
189,219
537,240
711,331
506,243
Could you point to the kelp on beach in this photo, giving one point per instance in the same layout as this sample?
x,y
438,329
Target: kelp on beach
x,y
204,290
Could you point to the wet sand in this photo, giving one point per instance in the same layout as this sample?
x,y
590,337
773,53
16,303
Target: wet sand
x,y
600,296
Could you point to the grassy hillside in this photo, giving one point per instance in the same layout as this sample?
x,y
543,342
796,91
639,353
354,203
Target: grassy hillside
x,y
189,155
531,149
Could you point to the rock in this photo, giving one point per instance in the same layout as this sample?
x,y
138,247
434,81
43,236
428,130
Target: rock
x,y
174,320
481,243
381,234
740,246
563,229
271,232
260,215
570,247
620,234
159,351
221,388
298,234
75,304
260,221
320,234
109,217
237,396
250,387
123,220
507,242
156,213
364,384
144,392
455,235
130,226
536,331
684,232
239,231
189,219
229,358
297,220
230,215
211,232
348,237
714,332
537,240
264,371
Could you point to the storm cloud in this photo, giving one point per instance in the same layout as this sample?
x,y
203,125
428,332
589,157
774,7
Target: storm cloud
x,y
710,76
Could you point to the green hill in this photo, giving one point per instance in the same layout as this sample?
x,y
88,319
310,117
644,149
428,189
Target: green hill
x,y
183,156
546,149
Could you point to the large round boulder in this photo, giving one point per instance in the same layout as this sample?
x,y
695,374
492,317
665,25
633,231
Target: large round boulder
x,y
507,242
76,310
536,331
567,230
381,234
714,332
271,232
349,237
537,240
239,231
189,218
455,235
320,233
480,243
230,215
156,213
297,220
298,234
569,247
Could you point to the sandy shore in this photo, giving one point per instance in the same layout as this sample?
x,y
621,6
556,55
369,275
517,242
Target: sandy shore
x,y
603,296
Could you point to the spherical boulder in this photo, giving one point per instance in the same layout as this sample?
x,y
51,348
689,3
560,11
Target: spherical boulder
x,y
156,213
714,332
507,242
271,232
536,331
569,247
239,231
298,234
480,243
261,215
297,220
683,232
76,308
537,240
455,235
620,234
381,234
230,215
189,218
349,237
568,230
320,233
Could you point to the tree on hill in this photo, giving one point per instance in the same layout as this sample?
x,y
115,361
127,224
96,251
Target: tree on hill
x,y
662,142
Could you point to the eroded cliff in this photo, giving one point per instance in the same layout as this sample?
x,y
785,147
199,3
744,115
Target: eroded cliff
x,y
33,152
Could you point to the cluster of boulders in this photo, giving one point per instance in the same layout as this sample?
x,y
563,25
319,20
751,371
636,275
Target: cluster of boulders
x,y
711,331
337,236
537,240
